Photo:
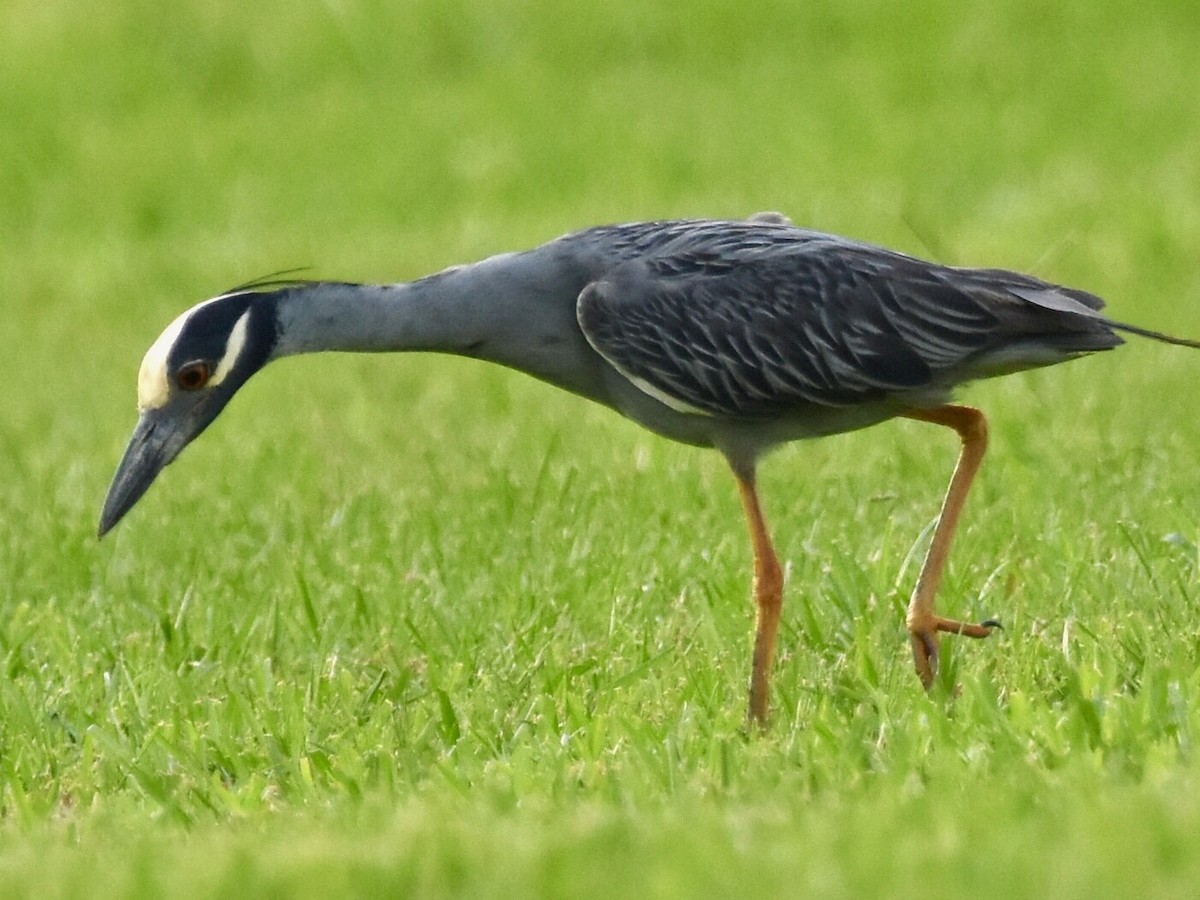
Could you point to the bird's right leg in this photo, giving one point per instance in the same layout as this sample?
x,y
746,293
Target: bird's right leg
x,y
768,598
923,622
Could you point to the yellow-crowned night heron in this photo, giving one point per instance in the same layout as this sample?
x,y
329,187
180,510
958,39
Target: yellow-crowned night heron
x,y
738,335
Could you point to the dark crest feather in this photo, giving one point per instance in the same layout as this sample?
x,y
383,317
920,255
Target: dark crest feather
x,y
273,280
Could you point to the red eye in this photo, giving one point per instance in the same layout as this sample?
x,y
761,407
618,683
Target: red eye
x,y
193,376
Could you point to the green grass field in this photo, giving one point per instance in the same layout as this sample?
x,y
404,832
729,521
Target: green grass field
x,y
419,626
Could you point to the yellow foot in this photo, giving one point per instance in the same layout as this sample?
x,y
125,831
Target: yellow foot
x,y
925,642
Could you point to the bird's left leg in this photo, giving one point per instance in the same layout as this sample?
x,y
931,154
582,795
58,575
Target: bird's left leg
x,y
923,623
768,597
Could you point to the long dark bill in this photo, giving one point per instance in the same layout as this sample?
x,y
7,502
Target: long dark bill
x,y
149,450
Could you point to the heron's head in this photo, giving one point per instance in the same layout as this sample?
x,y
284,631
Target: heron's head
x,y
187,377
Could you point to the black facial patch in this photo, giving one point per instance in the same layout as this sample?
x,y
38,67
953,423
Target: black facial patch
x,y
205,335
206,332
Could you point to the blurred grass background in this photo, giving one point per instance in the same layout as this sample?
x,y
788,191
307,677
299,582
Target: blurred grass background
x,y
426,626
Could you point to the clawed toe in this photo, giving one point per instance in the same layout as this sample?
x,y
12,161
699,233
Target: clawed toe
x,y
966,629
925,642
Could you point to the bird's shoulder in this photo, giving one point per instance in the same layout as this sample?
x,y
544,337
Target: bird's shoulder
x,y
759,260
696,247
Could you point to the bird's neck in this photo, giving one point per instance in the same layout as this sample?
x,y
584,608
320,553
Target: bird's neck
x,y
514,309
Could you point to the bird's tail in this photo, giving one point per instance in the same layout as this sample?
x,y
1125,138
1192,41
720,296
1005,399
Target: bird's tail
x,y
1153,335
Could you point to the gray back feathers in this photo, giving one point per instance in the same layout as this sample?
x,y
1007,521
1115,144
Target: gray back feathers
x,y
747,319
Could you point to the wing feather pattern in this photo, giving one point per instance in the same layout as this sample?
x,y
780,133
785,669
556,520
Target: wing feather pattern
x,y
751,327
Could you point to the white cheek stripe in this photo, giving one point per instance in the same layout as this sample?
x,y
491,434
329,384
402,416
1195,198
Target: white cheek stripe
x,y
233,349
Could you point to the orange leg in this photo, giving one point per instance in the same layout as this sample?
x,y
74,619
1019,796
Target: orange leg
x,y
923,622
768,598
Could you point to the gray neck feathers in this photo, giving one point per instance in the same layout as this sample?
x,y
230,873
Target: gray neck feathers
x,y
516,309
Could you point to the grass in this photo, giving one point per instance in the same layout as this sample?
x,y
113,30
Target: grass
x,y
422,626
